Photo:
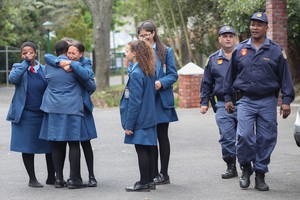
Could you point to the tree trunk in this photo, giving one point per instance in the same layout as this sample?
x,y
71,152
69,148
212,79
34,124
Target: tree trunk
x,y
102,15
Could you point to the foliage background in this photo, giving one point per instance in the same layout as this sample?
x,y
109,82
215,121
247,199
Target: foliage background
x,y
189,26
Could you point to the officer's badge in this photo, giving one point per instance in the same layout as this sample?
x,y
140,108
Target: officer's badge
x,y
244,52
284,54
220,61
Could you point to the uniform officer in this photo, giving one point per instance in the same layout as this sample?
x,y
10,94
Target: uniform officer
x,y
212,85
258,69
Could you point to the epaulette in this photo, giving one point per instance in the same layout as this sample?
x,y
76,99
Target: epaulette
x,y
274,43
245,41
211,55
215,53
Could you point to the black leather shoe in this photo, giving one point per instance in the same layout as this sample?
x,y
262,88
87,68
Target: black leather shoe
x,y
35,184
138,188
92,182
260,183
246,173
152,185
75,184
59,183
50,181
161,179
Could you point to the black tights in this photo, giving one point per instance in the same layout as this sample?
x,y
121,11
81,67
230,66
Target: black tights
x,y
89,156
145,155
59,155
28,160
164,149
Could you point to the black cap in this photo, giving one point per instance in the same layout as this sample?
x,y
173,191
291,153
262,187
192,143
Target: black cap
x,y
226,29
260,16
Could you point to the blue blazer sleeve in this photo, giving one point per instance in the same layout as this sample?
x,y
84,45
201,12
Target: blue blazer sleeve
x,y
84,74
171,72
18,69
135,100
167,78
50,60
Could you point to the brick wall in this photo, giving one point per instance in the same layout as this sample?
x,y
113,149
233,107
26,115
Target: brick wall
x,y
277,15
189,91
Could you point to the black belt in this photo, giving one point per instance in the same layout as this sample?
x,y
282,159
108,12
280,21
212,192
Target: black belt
x,y
257,96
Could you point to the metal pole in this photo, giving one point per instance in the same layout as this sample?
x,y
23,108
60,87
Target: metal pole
x,y
48,41
6,57
122,70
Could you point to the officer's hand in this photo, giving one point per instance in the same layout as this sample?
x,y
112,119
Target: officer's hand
x,y
229,107
203,109
285,110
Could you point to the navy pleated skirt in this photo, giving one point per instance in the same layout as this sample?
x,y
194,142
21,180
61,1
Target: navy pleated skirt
x,y
90,125
25,134
63,127
142,136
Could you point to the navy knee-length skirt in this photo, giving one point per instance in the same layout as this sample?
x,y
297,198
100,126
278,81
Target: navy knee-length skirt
x,y
25,134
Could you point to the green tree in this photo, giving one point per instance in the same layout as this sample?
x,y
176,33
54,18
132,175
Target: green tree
x,y
19,22
237,13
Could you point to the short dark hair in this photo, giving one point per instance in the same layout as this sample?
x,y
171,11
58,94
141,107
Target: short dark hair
x,y
28,44
61,47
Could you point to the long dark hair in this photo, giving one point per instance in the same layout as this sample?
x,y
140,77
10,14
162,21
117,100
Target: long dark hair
x,y
144,56
160,46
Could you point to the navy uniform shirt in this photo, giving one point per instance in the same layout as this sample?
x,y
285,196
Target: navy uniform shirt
x,y
259,72
213,78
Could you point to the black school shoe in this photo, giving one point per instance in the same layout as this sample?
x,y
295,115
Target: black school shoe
x,y
161,179
75,184
92,182
138,187
152,185
60,183
50,181
35,184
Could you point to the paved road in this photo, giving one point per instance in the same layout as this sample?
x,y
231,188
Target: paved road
x,y
195,165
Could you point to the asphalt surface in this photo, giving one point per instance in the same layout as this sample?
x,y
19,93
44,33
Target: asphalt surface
x,y
195,164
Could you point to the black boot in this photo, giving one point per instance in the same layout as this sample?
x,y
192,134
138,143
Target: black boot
x,y
231,168
246,173
260,183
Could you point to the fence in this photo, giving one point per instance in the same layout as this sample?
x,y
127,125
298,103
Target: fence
x,y
9,56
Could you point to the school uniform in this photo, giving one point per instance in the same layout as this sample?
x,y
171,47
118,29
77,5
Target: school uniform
x,y
63,105
166,73
84,74
24,111
137,108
